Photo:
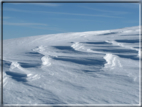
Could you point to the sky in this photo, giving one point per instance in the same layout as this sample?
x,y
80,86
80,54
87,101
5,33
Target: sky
x,y
32,19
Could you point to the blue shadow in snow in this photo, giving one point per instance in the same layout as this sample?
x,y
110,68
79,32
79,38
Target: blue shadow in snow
x,y
112,46
128,41
130,35
138,47
117,50
29,65
110,33
83,61
6,63
17,76
66,49
133,57
96,43
95,70
34,54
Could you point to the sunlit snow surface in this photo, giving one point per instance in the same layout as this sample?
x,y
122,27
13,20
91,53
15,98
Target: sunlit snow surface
x,y
95,67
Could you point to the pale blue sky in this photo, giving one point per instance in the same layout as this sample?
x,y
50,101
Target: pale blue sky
x,y
31,19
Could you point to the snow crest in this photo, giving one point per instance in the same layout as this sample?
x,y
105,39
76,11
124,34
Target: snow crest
x,y
78,46
122,45
46,61
15,65
112,61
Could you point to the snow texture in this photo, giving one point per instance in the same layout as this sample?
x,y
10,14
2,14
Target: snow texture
x,y
95,67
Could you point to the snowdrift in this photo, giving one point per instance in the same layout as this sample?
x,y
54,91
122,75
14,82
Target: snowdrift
x,y
95,67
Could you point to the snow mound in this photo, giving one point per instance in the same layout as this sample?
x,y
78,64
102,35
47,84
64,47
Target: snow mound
x,y
46,61
112,61
16,66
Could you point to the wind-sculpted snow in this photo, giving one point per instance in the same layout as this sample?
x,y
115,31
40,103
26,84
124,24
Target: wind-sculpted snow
x,y
95,67
112,61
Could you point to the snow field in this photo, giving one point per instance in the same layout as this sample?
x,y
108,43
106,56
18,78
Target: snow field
x,y
73,68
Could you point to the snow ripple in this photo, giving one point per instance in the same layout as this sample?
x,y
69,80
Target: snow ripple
x,y
80,47
122,45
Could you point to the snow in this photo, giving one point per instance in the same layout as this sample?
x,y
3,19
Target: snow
x,y
94,67
112,61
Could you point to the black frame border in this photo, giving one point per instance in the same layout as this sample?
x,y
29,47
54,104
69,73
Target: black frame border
x,y
96,1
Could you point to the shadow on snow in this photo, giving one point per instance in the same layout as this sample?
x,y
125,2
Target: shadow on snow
x,y
83,61
128,41
67,49
133,57
6,63
110,33
29,65
96,43
114,50
34,54
17,76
